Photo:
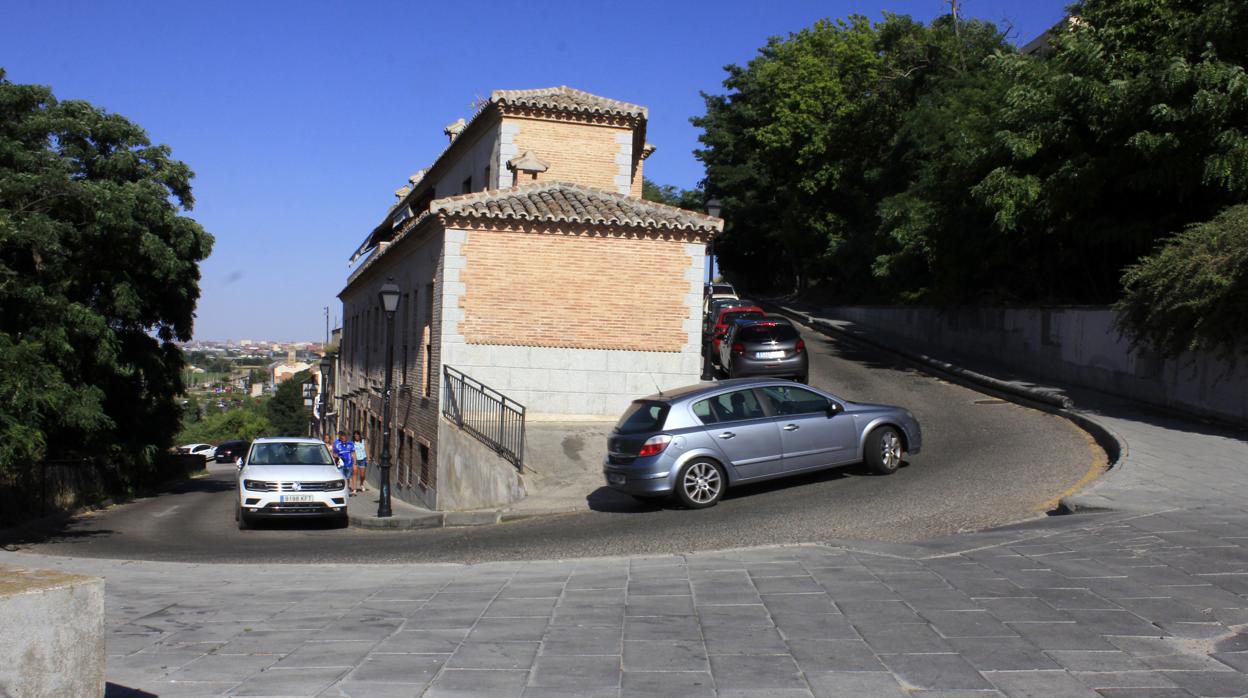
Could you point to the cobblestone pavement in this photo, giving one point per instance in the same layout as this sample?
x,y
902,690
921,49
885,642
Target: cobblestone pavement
x,y
1149,598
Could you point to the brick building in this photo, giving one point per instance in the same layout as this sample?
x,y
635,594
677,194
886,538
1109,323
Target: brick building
x,y
528,261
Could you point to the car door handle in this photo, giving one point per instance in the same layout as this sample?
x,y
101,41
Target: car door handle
x,y
790,427
727,435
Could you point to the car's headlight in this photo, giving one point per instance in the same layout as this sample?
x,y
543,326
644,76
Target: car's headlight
x,y
255,485
335,484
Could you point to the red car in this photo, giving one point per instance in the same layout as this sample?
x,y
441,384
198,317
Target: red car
x,y
725,318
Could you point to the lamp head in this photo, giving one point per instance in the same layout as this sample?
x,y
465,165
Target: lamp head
x,y
389,296
713,208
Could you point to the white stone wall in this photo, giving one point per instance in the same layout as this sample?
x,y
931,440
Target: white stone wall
x,y
624,163
1075,345
506,150
472,163
556,381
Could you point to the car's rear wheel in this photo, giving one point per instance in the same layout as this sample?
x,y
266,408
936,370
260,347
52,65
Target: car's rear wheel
x,y
342,520
883,451
700,484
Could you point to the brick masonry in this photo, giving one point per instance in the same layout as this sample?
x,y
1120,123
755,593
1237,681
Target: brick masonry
x,y
591,154
572,324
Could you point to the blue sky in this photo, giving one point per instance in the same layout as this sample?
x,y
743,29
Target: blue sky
x,y
301,119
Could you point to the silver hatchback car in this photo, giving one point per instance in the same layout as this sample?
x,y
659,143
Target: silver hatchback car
x,y
697,441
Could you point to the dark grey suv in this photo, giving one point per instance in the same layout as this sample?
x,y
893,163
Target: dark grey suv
x,y
695,442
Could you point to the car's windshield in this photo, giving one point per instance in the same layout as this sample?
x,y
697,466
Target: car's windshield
x,y
289,453
643,416
768,333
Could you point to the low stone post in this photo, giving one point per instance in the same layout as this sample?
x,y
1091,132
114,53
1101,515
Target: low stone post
x,y
51,634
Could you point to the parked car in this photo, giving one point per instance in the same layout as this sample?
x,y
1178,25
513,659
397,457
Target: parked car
x,y
712,314
766,347
205,450
713,292
726,317
230,451
289,477
696,442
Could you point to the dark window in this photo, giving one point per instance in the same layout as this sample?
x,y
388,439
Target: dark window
x,y
467,186
736,406
730,317
789,400
767,333
643,416
702,409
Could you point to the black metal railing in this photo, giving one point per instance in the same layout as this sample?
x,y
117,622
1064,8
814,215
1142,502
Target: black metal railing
x,y
495,419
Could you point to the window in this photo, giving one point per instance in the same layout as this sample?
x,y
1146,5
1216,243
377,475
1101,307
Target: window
x,y
407,298
730,317
767,333
643,416
486,180
702,409
466,188
427,336
791,400
735,406
427,477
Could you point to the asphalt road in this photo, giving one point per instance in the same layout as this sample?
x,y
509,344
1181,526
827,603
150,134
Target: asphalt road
x,y
985,462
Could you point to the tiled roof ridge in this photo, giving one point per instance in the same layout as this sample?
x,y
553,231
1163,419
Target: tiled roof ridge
x,y
564,98
558,202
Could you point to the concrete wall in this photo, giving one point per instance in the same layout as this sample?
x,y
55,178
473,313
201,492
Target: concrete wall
x,y
1074,345
51,634
570,380
471,474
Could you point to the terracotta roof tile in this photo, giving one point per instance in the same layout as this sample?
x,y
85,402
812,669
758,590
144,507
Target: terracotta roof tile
x,y
564,98
558,202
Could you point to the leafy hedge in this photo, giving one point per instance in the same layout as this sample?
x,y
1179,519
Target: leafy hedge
x,y
1192,294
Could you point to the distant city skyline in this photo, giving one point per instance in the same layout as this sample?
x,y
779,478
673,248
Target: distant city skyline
x,y
300,120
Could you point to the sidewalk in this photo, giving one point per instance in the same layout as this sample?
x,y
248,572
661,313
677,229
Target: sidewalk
x,y
1147,599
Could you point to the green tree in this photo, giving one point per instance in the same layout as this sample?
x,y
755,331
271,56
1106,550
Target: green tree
x,y
286,412
1192,294
246,423
98,277
797,150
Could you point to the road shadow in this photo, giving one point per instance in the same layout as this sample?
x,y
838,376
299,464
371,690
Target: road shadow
x,y
62,527
606,500
112,690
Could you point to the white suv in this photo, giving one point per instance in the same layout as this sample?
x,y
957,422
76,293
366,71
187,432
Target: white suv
x,y
289,477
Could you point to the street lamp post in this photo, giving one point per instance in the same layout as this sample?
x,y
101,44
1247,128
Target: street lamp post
x,y
708,373
389,296
713,207
327,365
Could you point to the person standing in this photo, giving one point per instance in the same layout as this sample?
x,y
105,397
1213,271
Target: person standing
x,y
361,462
344,451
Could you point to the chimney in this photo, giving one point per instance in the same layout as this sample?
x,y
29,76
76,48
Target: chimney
x,y
452,131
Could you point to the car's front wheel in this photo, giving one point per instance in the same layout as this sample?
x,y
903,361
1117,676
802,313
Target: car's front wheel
x,y
883,451
700,484
244,521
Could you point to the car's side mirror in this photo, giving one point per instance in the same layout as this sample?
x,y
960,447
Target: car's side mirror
x,y
239,463
834,408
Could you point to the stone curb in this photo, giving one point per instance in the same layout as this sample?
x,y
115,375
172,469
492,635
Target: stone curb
x,y
1115,447
454,519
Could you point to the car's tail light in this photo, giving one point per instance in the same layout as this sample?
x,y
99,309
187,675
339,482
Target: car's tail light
x,y
801,346
738,348
654,445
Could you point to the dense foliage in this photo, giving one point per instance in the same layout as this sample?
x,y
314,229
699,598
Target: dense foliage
x,y
899,161
1193,293
286,412
248,422
98,277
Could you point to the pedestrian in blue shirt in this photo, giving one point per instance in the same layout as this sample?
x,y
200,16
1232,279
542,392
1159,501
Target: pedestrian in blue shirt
x,y
344,451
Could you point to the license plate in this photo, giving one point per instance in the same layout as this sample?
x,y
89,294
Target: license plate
x,y
293,498
769,354
615,479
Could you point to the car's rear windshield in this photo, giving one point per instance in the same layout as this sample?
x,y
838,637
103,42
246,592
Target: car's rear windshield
x,y
731,317
643,416
768,333
722,288
289,453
